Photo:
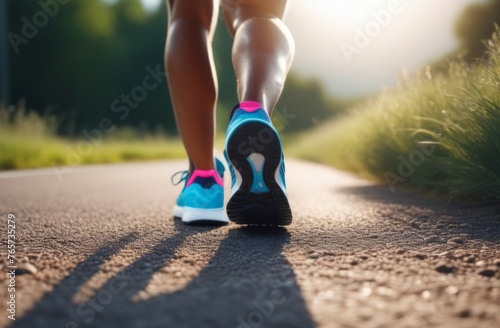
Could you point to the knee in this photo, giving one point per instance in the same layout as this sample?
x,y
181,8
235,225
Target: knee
x,y
251,18
263,25
238,13
196,11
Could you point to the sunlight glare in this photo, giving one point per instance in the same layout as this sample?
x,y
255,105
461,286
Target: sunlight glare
x,y
347,13
415,33
151,5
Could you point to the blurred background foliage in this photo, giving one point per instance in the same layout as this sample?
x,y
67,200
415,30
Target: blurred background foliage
x,y
82,61
474,26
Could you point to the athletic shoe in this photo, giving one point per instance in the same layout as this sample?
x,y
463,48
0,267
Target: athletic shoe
x,y
202,198
255,157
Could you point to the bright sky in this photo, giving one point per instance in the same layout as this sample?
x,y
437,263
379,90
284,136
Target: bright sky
x,y
325,31
331,48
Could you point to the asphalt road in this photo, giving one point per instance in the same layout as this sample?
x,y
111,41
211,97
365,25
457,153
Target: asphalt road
x,y
107,253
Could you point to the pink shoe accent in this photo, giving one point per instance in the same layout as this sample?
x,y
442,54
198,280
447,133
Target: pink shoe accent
x,y
250,106
205,174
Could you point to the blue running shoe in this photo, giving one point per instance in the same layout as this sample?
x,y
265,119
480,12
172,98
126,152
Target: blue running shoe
x,y
255,157
202,198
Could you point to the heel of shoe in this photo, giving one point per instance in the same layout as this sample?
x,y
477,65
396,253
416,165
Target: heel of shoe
x,y
255,152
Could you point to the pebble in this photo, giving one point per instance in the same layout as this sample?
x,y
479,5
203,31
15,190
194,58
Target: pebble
x,y
497,262
488,273
315,255
452,290
445,268
480,263
420,256
464,313
432,239
363,256
353,262
401,251
470,259
26,268
456,240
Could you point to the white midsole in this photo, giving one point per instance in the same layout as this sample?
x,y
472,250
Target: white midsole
x,y
178,211
213,214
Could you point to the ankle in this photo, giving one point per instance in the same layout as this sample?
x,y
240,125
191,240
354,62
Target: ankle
x,y
205,174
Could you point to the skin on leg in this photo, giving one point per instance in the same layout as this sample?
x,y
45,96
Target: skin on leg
x,y
263,48
191,76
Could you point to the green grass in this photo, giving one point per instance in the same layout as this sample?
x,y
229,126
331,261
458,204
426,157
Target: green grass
x,y
440,134
28,140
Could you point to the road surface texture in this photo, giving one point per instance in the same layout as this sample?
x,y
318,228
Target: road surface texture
x,y
107,253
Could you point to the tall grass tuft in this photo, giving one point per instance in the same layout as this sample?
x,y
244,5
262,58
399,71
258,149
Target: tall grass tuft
x,y
439,133
28,140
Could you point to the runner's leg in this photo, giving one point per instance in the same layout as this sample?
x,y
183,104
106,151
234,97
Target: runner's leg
x,y
191,76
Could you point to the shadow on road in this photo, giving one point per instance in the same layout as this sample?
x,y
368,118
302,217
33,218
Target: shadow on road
x,y
248,283
479,220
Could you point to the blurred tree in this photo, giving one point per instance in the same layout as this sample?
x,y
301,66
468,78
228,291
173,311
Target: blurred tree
x,y
4,54
304,104
80,60
475,25
85,57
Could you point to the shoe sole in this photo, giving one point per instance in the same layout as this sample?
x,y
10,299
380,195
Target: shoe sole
x,y
204,216
259,199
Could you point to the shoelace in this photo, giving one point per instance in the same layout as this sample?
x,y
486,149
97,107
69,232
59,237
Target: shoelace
x,y
183,177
